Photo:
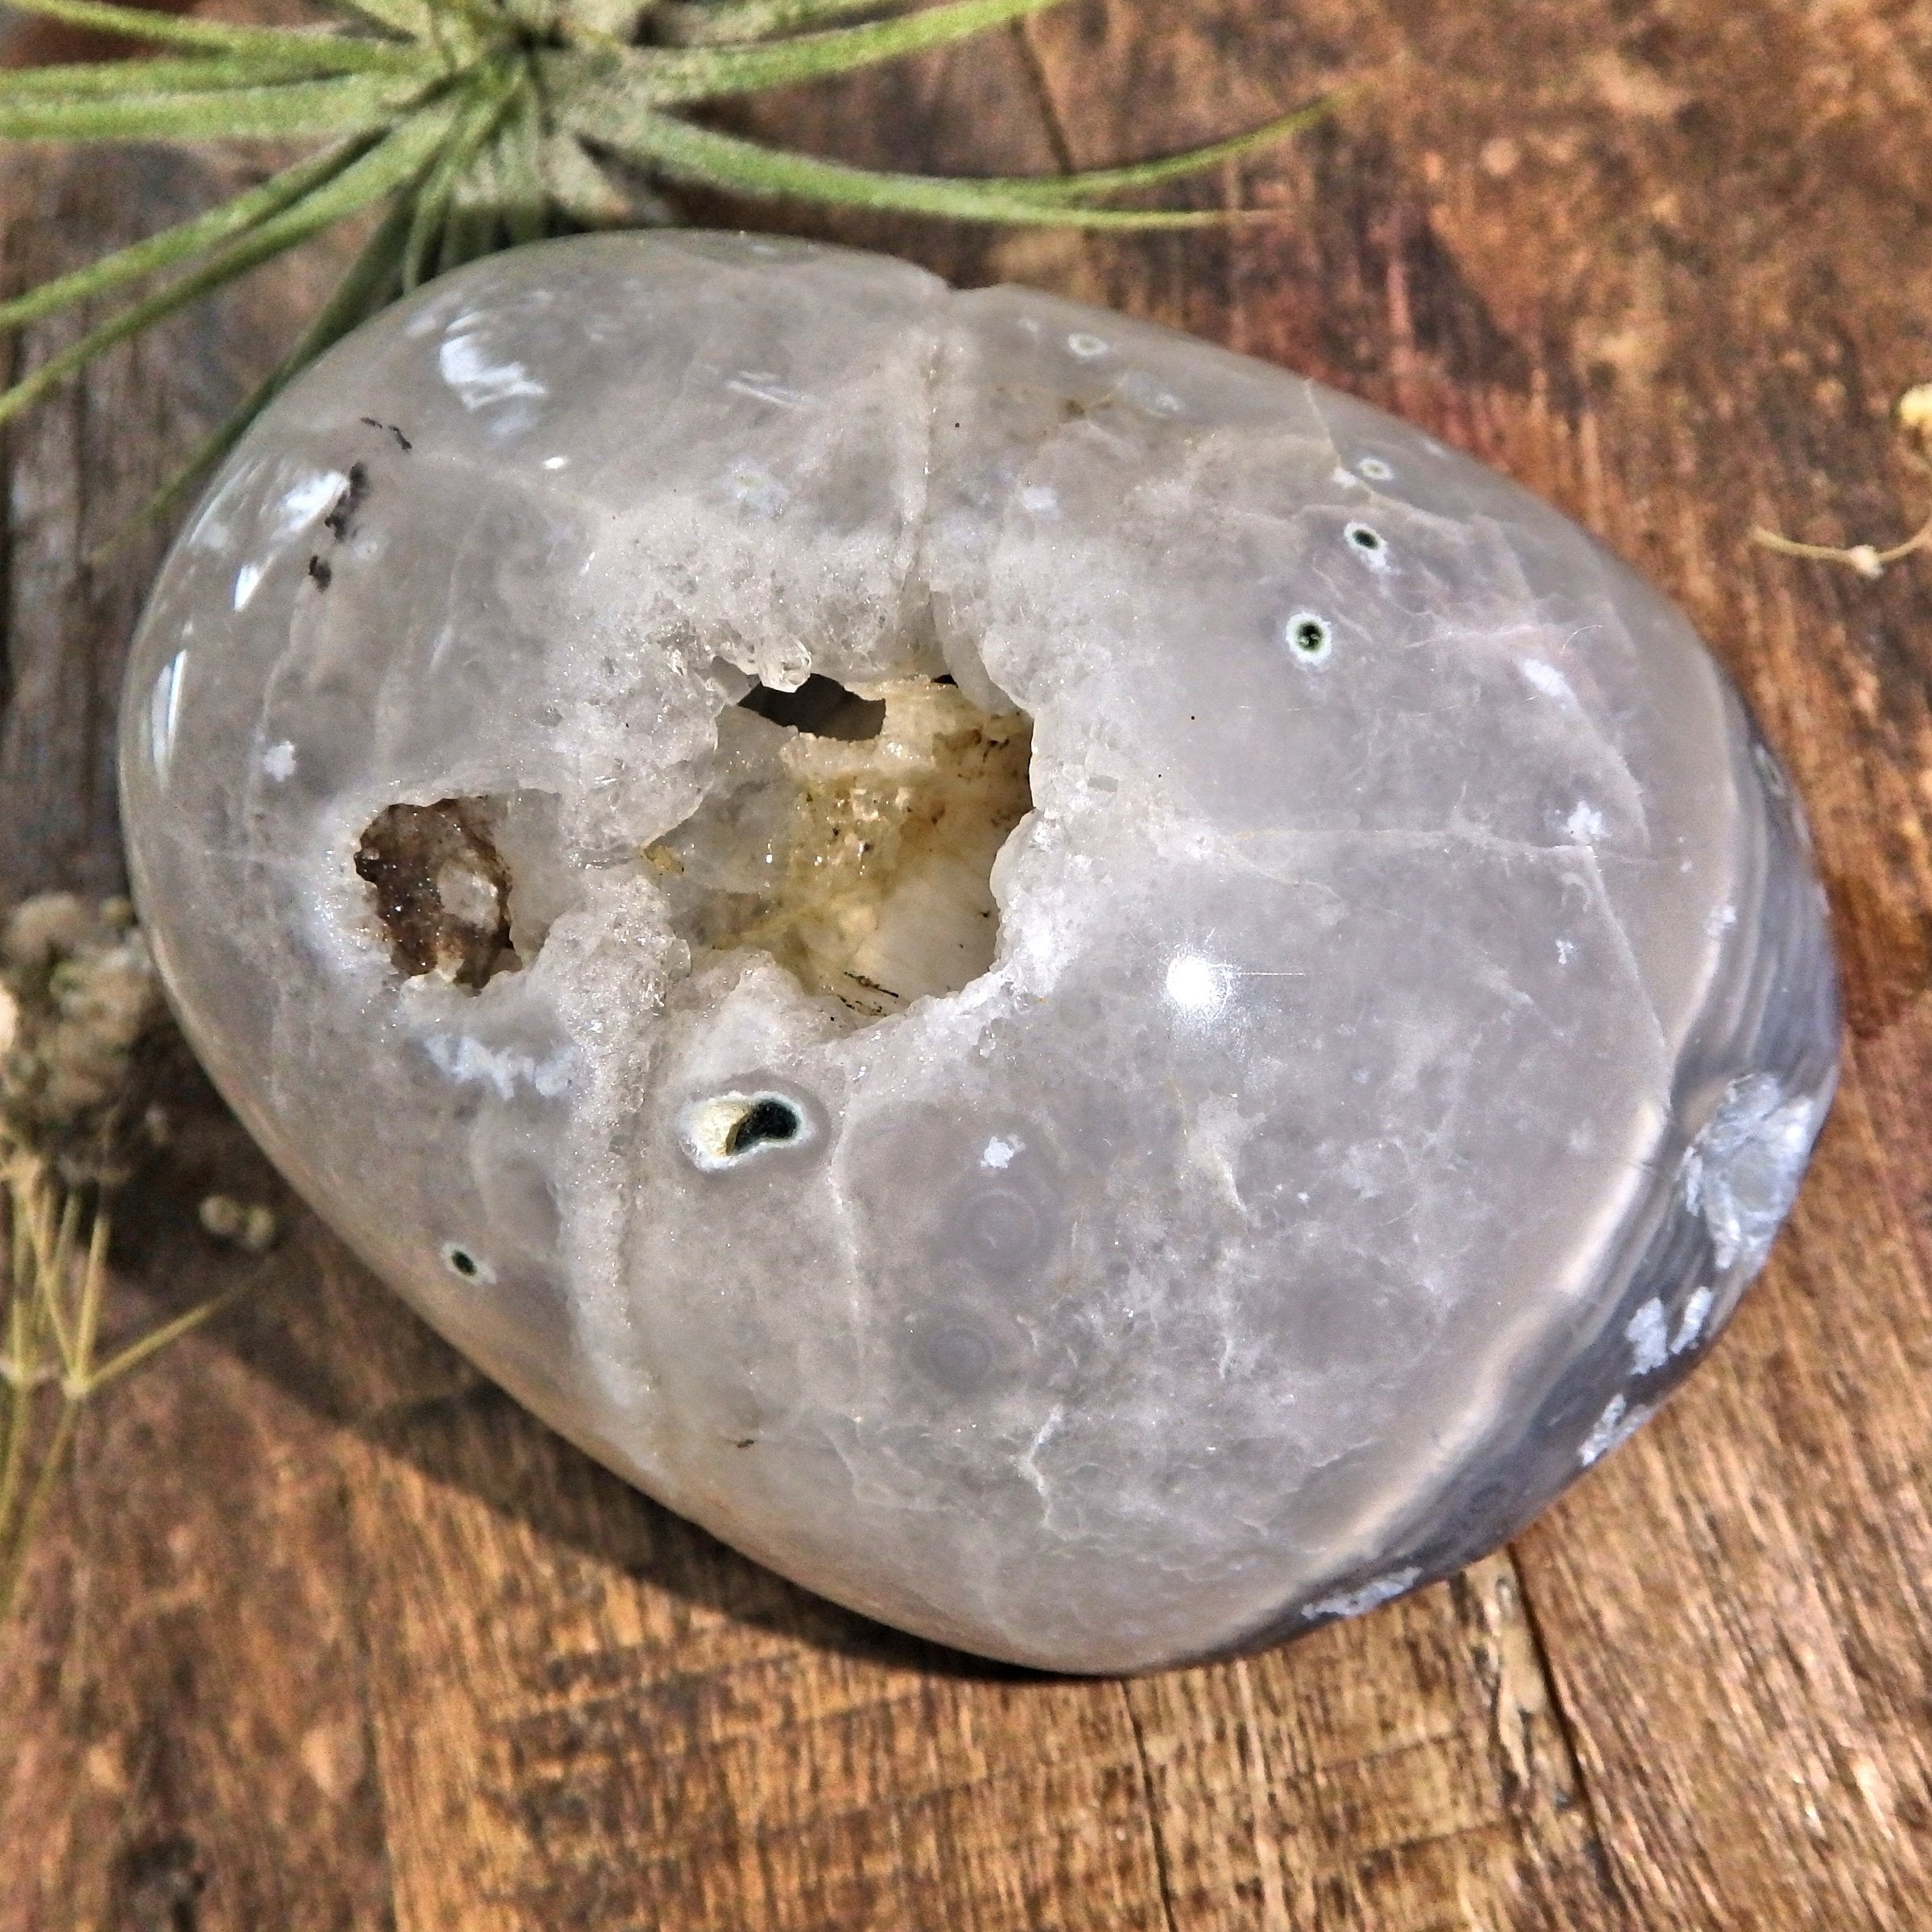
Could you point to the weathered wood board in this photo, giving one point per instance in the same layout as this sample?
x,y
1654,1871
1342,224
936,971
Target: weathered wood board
x,y
328,1634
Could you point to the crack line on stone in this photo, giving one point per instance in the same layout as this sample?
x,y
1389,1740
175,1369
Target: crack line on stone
x,y
1597,727
1632,964
915,600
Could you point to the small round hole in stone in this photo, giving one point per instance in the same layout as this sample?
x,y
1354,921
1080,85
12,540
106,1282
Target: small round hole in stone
x,y
462,1263
768,1120
727,1129
1310,636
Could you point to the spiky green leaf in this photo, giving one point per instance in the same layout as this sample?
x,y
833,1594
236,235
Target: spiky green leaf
x,y
520,173
668,76
117,80
391,164
476,125
180,243
711,159
694,23
1098,184
413,19
351,104
583,195
432,204
301,50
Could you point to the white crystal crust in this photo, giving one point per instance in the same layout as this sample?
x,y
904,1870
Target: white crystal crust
x,y
1402,1014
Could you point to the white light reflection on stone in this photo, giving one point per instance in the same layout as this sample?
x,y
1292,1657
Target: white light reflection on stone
x,y
1196,985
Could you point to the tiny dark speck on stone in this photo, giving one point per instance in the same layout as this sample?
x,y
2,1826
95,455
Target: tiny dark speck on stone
x,y
402,442
743,1442
322,571
341,519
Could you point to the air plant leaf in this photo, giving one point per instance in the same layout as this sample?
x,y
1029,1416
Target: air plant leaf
x,y
687,152
299,50
107,79
711,23
1101,183
431,209
394,163
526,207
412,19
583,196
482,123
180,243
298,110
665,76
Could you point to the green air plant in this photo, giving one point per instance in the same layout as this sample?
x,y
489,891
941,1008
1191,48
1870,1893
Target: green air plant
x,y
476,123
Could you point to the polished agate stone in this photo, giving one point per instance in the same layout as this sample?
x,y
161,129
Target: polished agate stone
x,y
1089,996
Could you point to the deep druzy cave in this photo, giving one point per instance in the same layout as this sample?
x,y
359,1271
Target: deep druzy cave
x,y
1086,995
851,836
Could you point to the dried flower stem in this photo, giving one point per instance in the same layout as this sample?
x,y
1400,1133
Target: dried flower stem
x,y
54,1295
1914,418
1864,558
79,1014
54,1291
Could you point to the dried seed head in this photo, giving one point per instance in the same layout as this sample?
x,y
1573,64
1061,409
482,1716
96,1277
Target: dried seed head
x,y
82,1026
249,1226
1915,411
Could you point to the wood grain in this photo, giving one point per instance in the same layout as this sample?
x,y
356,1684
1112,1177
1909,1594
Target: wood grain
x,y
330,1634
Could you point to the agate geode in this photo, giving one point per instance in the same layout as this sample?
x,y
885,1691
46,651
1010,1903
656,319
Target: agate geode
x,y
1090,998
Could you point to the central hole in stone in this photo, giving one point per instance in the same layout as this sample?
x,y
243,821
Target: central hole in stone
x,y
850,834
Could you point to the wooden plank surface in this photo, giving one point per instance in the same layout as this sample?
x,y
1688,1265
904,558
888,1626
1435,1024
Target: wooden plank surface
x,y
328,1634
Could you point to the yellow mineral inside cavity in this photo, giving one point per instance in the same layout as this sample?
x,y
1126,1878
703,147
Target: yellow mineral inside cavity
x,y
870,881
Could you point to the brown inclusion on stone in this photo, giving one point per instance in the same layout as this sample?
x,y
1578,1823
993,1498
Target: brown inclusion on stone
x,y
441,890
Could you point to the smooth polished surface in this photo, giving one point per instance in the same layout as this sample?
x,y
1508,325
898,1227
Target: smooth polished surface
x,y
1409,1015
